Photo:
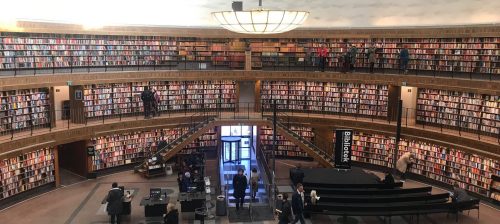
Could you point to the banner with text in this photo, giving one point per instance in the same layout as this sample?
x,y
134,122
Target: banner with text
x,y
343,143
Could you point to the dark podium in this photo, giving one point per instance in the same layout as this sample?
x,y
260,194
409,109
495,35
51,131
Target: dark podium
x,y
155,206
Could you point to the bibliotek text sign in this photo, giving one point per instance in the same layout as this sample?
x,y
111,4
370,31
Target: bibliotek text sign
x,y
343,143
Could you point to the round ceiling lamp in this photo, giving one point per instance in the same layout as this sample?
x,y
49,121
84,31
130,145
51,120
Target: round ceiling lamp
x,y
260,21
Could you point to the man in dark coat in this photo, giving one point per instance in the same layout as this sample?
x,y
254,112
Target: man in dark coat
x,y
404,57
147,101
298,204
240,184
115,203
286,211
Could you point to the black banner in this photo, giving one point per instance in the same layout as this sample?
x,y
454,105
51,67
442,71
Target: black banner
x,y
343,143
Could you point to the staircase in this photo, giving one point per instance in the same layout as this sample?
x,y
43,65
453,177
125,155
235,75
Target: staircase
x,y
312,150
178,144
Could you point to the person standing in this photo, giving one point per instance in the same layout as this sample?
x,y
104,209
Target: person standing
x,y
156,103
298,204
239,185
254,181
404,57
286,211
147,98
115,203
404,163
372,57
322,54
172,216
353,54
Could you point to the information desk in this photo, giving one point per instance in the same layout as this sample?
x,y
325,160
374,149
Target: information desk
x,y
190,201
155,207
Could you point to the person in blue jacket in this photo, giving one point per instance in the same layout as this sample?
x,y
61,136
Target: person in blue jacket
x,y
404,57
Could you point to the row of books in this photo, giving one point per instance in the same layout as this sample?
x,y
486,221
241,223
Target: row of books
x,y
441,163
24,108
121,149
459,109
122,98
296,52
26,171
285,148
365,99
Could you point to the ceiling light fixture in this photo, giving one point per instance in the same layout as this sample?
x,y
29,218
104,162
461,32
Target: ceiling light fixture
x,y
259,21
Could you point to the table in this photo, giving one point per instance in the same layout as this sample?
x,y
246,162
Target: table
x,y
191,201
155,207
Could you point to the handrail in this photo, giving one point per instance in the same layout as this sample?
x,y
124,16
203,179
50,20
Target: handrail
x,y
191,130
316,149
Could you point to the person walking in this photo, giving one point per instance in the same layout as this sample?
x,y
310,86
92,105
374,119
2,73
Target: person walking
x,y
254,182
147,99
404,163
323,54
404,57
115,203
353,54
285,213
372,57
240,185
298,204
346,59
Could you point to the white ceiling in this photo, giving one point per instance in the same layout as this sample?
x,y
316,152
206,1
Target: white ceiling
x,y
324,13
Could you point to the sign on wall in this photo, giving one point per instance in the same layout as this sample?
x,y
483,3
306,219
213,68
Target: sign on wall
x,y
343,143
90,150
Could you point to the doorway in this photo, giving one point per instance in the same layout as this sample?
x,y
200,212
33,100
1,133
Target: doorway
x,y
72,160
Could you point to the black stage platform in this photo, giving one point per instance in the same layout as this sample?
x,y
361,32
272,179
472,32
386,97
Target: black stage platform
x,y
334,178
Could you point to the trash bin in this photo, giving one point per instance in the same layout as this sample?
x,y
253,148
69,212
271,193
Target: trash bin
x,y
220,206
168,169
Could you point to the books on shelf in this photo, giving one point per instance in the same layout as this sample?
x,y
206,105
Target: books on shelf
x,y
468,111
121,149
24,108
473,172
364,99
285,148
26,171
125,98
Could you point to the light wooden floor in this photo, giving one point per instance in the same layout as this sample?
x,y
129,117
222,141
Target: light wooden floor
x,y
81,203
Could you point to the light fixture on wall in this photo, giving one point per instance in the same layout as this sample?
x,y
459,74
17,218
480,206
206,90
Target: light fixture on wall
x,y
259,21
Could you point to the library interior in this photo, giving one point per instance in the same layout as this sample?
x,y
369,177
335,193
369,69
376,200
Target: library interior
x,y
250,112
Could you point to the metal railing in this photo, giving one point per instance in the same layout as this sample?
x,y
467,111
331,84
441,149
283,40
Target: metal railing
x,y
416,66
478,128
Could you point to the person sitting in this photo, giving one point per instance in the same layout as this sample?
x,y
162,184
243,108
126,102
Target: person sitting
x,y
459,194
388,180
172,216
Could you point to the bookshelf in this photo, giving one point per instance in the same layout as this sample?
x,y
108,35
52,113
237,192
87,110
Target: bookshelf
x,y
467,111
125,98
326,97
207,141
495,188
128,148
21,109
26,171
43,51
473,172
285,148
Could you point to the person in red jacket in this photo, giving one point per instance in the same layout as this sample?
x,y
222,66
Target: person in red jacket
x,y
322,54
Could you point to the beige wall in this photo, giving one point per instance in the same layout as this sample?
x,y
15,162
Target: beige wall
x,y
61,93
409,97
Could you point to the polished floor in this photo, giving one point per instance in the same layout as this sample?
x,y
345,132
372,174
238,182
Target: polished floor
x,y
81,203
